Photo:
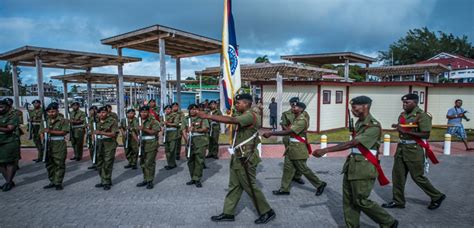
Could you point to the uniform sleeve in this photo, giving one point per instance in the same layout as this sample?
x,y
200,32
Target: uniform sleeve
x,y
283,119
65,126
205,124
246,119
369,137
82,117
424,123
298,126
155,125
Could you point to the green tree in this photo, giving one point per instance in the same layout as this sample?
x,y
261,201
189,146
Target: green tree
x,y
6,78
262,59
74,89
421,44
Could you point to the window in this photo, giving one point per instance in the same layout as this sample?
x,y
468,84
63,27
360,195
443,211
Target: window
x,y
422,97
339,95
326,96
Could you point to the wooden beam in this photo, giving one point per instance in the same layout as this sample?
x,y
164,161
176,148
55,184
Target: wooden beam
x,y
30,55
141,41
199,53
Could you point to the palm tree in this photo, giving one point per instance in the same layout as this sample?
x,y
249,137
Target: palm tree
x,y
262,59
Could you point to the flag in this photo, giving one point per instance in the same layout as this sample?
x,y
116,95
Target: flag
x,y
230,53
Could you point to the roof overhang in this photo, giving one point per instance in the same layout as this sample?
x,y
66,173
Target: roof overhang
x,y
329,58
403,70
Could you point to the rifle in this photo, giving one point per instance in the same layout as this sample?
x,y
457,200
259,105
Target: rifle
x,y
87,125
127,132
94,128
30,127
46,135
140,143
164,130
71,135
351,123
190,137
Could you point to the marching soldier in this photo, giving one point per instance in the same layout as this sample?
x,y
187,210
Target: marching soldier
x,y
9,145
171,136
77,119
154,110
112,114
91,146
214,132
414,127
36,118
297,152
17,112
286,121
361,167
149,145
107,131
57,128
180,117
244,161
196,130
128,127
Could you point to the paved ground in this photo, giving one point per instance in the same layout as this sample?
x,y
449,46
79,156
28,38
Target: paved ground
x,y
173,204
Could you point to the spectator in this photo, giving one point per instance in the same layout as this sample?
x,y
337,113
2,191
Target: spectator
x,y
273,114
455,127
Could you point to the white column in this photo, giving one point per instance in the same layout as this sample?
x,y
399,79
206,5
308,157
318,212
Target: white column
x,y
16,94
120,99
346,70
279,97
200,88
89,89
447,144
427,76
178,80
254,92
39,72
66,103
386,145
162,72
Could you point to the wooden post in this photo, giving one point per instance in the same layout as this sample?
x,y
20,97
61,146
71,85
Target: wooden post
x,y
39,72
346,70
367,72
66,103
16,94
254,93
163,89
120,98
178,80
427,76
89,88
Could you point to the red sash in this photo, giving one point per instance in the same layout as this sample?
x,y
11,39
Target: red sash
x,y
157,117
302,140
422,143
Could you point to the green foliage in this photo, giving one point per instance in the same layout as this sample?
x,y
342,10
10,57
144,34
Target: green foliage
x,y
262,59
421,44
208,80
353,71
6,78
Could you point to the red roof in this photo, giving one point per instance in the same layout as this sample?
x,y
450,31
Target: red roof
x,y
456,62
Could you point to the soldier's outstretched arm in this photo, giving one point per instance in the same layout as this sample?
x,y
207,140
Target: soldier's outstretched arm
x,y
277,133
221,119
344,146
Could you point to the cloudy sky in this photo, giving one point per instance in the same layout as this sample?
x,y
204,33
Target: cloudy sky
x,y
264,27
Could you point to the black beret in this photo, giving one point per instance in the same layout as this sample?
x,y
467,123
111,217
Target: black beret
x,y
410,96
52,106
108,106
294,99
36,101
244,96
361,100
74,103
93,107
167,106
145,108
103,109
152,100
3,102
201,105
301,105
191,106
131,110
8,100
175,103
213,102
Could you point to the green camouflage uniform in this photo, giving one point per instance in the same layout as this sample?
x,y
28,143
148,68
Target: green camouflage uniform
x,y
214,133
131,152
410,158
173,136
57,150
77,137
359,178
89,136
297,155
36,119
149,149
181,117
106,149
249,123
199,143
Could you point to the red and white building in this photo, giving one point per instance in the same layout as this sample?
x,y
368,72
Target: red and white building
x,y
461,69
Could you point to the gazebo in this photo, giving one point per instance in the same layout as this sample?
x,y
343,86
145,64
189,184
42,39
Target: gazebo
x,y
40,57
426,70
273,71
165,41
332,58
